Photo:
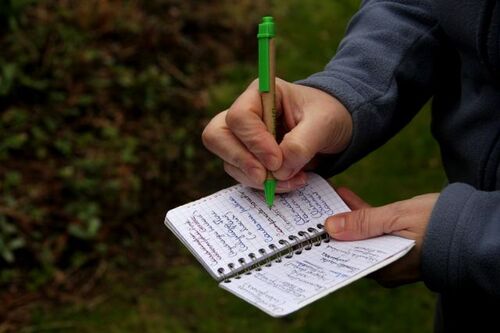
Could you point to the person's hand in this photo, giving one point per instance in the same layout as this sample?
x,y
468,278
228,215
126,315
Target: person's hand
x,y
407,218
312,120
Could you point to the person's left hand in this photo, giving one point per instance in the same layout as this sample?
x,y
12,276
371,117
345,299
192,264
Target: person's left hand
x,y
407,218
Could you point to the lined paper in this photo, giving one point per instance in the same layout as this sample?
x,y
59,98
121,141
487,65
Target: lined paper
x,y
294,282
234,227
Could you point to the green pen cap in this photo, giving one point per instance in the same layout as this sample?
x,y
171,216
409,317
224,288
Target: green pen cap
x,y
266,32
266,27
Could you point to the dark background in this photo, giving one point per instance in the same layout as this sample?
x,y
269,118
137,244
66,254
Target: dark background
x,y
102,103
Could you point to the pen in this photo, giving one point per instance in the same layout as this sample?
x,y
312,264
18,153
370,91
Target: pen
x,y
267,84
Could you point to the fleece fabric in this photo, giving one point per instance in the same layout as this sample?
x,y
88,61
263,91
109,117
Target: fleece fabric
x,y
395,56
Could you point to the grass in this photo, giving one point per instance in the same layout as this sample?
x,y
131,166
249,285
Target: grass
x,y
186,299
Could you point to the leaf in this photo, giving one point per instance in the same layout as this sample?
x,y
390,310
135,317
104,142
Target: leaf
x,y
7,78
16,243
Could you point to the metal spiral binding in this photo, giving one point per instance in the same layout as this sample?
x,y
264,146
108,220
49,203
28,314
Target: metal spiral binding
x,y
294,246
316,240
290,249
297,246
220,270
241,261
309,244
253,258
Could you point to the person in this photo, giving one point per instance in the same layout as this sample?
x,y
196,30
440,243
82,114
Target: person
x,y
395,56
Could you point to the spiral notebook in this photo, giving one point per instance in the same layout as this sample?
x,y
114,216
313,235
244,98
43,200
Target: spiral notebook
x,y
278,259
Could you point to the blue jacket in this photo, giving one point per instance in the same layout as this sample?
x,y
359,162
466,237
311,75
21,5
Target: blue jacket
x,y
395,56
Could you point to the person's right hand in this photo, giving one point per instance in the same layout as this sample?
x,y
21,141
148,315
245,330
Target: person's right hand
x,y
314,122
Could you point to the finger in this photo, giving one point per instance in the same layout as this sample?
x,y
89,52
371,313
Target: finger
x,y
300,145
351,199
281,186
220,140
362,223
296,182
244,119
241,177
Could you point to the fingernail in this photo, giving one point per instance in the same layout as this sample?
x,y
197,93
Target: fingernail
x,y
284,185
299,181
335,225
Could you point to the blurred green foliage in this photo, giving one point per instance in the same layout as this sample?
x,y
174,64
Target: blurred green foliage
x,y
103,103
101,106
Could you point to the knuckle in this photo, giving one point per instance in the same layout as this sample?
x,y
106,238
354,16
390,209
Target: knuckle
x,y
208,137
233,118
211,135
398,212
363,221
239,161
351,221
358,222
255,142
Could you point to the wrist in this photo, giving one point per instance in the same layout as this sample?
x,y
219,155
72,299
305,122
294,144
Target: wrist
x,y
334,116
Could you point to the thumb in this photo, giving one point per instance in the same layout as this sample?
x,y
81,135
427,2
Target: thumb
x,y
361,224
319,123
299,146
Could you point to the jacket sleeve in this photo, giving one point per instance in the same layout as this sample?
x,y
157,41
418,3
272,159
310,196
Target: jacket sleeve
x,y
382,73
461,249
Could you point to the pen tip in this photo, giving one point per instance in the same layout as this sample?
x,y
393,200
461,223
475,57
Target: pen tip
x,y
269,189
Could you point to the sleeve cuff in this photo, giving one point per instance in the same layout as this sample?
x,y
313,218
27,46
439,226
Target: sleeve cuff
x,y
441,247
338,87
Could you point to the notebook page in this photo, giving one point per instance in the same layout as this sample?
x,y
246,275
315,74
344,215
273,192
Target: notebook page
x,y
233,228
291,284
